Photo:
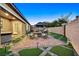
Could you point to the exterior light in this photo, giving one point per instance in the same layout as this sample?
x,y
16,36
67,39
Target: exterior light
x,y
13,18
6,14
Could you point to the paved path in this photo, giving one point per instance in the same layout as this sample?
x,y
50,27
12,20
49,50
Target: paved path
x,y
33,43
47,50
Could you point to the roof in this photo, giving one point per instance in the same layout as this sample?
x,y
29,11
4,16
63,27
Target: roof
x,y
13,7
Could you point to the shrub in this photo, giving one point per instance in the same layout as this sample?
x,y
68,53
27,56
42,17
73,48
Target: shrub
x,y
16,40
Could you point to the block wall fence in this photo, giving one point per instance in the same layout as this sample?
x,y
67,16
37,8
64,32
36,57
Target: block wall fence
x,y
72,32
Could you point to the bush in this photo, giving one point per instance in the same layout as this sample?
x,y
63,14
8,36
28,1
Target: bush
x,y
16,40
69,45
22,36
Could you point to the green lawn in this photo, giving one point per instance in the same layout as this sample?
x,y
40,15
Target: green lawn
x,y
3,53
30,52
61,51
58,36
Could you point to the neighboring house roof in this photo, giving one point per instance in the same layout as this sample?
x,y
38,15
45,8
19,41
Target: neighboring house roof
x,y
41,24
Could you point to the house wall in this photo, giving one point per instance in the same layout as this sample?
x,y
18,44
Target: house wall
x,y
13,27
27,27
18,28
6,30
23,28
6,25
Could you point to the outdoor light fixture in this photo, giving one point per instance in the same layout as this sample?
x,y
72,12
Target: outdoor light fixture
x,y
13,18
6,14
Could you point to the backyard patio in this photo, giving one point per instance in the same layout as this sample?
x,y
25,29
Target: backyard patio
x,y
51,46
35,43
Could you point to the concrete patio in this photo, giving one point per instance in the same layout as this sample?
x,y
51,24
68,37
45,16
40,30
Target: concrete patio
x,y
34,43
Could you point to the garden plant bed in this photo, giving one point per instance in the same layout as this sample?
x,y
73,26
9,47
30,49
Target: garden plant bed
x,y
16,40
30,52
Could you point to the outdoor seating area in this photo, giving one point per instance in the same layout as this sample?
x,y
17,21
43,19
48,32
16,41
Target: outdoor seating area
x,y
38,30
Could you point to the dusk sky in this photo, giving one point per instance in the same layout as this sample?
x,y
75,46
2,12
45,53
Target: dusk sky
x,y
39,12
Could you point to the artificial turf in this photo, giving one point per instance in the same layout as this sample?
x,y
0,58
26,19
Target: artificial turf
x,y
61,51
30,52
58,36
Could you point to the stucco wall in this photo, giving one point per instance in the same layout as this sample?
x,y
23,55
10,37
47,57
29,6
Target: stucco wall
x,y
18,28
72,32
6,25
59,30
27,27
23,28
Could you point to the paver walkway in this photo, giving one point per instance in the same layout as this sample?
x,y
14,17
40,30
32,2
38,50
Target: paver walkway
x,y
47,50
33,43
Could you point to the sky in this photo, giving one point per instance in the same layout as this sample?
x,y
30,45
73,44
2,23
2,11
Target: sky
x,y
39,12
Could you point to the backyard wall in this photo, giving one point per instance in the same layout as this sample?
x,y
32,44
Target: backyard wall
x,y
59,30
72,32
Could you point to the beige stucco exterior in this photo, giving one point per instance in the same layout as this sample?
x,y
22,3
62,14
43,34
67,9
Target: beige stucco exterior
x,y
19,28
16,27
27,27
13,23
6,25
